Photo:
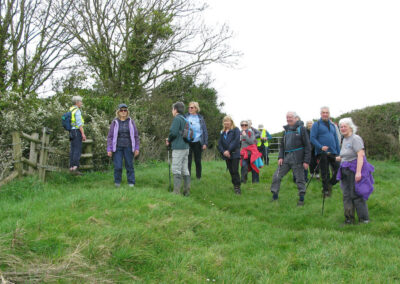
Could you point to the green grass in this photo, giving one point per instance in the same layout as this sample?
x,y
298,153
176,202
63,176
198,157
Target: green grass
x,y
83,230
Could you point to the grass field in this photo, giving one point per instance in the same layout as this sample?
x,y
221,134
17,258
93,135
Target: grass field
x,y
83,230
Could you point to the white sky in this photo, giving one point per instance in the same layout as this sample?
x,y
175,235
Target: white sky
x,y
300,55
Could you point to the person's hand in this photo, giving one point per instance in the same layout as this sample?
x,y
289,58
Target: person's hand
x,y
109,154
280,162
324,148
83,137
358,177
338,159
204,146
244,133
227,154
136,153
305,166
166,141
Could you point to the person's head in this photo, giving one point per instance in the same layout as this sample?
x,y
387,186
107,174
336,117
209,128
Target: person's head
x,y
347,127
260,127
297,117
291,118
194,108
309,124
249,122
77,100
228,123
325,113
178,108
244,124
122,111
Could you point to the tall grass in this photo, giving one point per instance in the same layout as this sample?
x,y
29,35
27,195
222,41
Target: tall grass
x,y
82,229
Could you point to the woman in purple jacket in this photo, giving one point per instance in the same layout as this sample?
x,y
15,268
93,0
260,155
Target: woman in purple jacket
x,y
123,143
355,173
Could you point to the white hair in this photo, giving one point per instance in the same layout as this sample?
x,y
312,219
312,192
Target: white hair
x,y
76,99
325,107
292,113
349,122
249,122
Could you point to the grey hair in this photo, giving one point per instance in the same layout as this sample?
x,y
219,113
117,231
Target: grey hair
x,y
293,113
325,107
246,121
249,122
349,122
179,107
76,99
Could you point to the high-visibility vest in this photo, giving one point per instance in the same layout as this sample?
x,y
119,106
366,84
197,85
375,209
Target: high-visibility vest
x,y
263,134
73,111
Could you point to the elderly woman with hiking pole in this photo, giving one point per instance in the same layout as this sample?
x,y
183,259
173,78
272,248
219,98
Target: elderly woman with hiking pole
x,y
229,147
200,141
355,174
123,144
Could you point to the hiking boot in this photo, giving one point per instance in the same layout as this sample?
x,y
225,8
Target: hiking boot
x,y
274,197
237,190
300,203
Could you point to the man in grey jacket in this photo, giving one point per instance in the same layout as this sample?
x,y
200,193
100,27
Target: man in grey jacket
x,y
294,154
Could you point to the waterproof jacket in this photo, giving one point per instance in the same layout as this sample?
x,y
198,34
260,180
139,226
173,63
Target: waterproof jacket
x,y
204,133
230,141
365,186
113,135
295,140
321,136
175,133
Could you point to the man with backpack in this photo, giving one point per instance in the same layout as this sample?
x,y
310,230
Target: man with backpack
x,y
295,155
76,134
325,140
180,149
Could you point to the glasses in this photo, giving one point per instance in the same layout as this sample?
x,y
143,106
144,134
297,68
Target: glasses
x,y
192,107
123,110
244,125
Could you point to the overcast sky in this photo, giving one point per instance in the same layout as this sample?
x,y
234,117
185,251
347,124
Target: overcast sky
x,y
301,55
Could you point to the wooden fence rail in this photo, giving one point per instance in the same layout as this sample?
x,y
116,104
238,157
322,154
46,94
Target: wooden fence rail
x,y
38,161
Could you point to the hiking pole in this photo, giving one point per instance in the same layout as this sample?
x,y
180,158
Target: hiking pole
x,y
312,176
169,172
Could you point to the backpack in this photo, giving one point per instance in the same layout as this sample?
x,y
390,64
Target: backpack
x,y
66,120
188,133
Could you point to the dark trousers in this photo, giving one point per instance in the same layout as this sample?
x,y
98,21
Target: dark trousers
x,y
264,152
326,161
123,153
195,149
233,167
313,162
351,200
245,170
75,136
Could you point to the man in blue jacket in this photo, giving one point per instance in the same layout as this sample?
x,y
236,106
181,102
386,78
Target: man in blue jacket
x,y
324,138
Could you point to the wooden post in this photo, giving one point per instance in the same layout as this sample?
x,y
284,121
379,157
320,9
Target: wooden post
x,y
33,155
17,152
42,165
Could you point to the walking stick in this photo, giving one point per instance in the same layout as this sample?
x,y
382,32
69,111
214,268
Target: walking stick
x,y
169,172
315,170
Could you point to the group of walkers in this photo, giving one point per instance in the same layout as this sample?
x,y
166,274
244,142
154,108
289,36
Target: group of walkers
x,y
316,146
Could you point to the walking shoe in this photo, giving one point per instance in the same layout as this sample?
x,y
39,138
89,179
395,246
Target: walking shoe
x,y
300,203
317,176
117,185
237,190
131,185
274,197
364,221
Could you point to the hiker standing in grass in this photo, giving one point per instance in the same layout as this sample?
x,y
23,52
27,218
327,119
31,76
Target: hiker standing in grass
x,y
123,144
76,135
355,173
294,154
229,147
325,140
263,143
248,153
180,150
200,142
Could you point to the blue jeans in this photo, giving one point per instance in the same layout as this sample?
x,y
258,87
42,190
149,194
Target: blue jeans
x,y
126,154
75,136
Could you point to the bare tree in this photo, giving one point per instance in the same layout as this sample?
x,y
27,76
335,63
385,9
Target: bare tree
x,y
133,45
33,42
